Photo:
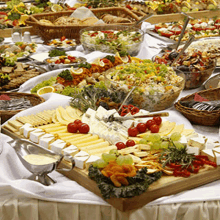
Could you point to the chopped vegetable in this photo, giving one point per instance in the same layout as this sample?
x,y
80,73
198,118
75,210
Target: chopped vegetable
x,y
65,74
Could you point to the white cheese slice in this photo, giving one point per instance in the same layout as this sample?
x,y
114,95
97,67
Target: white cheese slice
x,y
209,153
21,129
69,151
216,152
36,134
210,144
57,146
91,160
80,159
46,140
193,150
85,119
128,123
27,130
183,140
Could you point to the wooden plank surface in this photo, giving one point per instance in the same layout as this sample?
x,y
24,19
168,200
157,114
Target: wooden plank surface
x,y
167,185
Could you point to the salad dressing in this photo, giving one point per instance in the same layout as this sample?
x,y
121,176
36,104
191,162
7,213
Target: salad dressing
x,y
39,159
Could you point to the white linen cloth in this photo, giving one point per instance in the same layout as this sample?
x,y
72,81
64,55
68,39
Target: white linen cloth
x,y
13,179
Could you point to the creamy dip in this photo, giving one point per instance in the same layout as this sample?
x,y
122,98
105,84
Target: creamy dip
x,y
39,159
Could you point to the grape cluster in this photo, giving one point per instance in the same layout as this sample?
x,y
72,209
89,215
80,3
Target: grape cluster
x,y
157,142
113,155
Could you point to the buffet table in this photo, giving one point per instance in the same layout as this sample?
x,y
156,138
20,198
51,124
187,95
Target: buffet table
x,y
21,198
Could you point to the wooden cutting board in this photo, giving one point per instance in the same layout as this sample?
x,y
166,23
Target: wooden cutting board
x,y
167,185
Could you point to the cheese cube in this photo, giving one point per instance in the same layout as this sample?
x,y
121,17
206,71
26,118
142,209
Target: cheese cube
x,y
210,144
70,151
80,159
57,146
197,142
27,130
100,113
193,150
36,134
46,140
89,112
209,153
21,129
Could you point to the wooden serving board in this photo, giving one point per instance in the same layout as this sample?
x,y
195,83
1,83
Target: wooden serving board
x,y
167,185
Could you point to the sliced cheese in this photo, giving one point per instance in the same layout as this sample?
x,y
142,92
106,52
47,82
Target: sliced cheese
x,y
80,159
46,140
57,146
36,134
99,151
69,151
96,146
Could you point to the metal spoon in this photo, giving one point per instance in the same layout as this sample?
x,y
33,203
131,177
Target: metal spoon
x,y
191,39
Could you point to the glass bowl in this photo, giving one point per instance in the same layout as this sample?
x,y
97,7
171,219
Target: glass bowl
x,y
196,73
112,39
149,96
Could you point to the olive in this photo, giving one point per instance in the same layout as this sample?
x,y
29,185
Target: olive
x,y
104,105
173,55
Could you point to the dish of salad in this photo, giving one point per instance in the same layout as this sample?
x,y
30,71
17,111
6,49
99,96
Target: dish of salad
x,y
112,41
62,43
157,85
20,50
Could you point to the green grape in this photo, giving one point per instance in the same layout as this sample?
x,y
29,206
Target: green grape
x,y
100,163
211,7
164,144
178,144
175,136
185,9
143,141
120,160
156,145
146,137
114,151
108,157
128,160
154,138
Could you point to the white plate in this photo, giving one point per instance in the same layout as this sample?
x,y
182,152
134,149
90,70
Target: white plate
x,y
40,57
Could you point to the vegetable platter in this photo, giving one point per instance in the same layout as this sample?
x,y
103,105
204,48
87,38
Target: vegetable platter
x,y
50,119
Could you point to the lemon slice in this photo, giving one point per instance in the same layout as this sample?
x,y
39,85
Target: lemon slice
x,y
56,8
76,71
46,89
124,59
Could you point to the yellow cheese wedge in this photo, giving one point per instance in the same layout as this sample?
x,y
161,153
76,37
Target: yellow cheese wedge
x,y
64,114
101,150
54,129
86,139
73,138
96,146
166,128
80,146
178,128
187,132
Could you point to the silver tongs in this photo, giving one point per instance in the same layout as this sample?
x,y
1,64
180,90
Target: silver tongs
x,y
124,118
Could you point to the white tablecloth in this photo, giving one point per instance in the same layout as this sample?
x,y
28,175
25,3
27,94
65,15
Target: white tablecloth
x,y
15,186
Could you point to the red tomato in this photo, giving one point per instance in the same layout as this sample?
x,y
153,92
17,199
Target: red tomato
x,y
149,123
158,120
133,131
63,38
77,121
120,145
72,127
166,34
154,128
15,23
84,128
57,61
130,143
141,127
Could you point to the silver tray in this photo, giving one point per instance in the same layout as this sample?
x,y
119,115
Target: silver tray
x,y
212,82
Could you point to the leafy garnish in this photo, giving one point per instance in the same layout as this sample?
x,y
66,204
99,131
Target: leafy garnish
x,y
137,184
65,74
55,52
85,65
48,82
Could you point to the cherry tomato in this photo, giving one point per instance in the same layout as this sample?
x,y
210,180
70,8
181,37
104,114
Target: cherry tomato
x,y
141,127
83,128
77,121
158,120
133,131
120,145
150,122
72,127
130,143
154,128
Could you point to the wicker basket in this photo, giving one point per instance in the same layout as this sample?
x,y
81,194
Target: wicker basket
x,y
48,32
34,99
201,117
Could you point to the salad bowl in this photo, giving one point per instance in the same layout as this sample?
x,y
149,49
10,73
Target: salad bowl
x,y
112,39
153,91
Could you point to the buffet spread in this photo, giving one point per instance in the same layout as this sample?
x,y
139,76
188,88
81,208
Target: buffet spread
x,y
115,135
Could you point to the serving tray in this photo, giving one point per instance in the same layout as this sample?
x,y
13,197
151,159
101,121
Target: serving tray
x,y
167,185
